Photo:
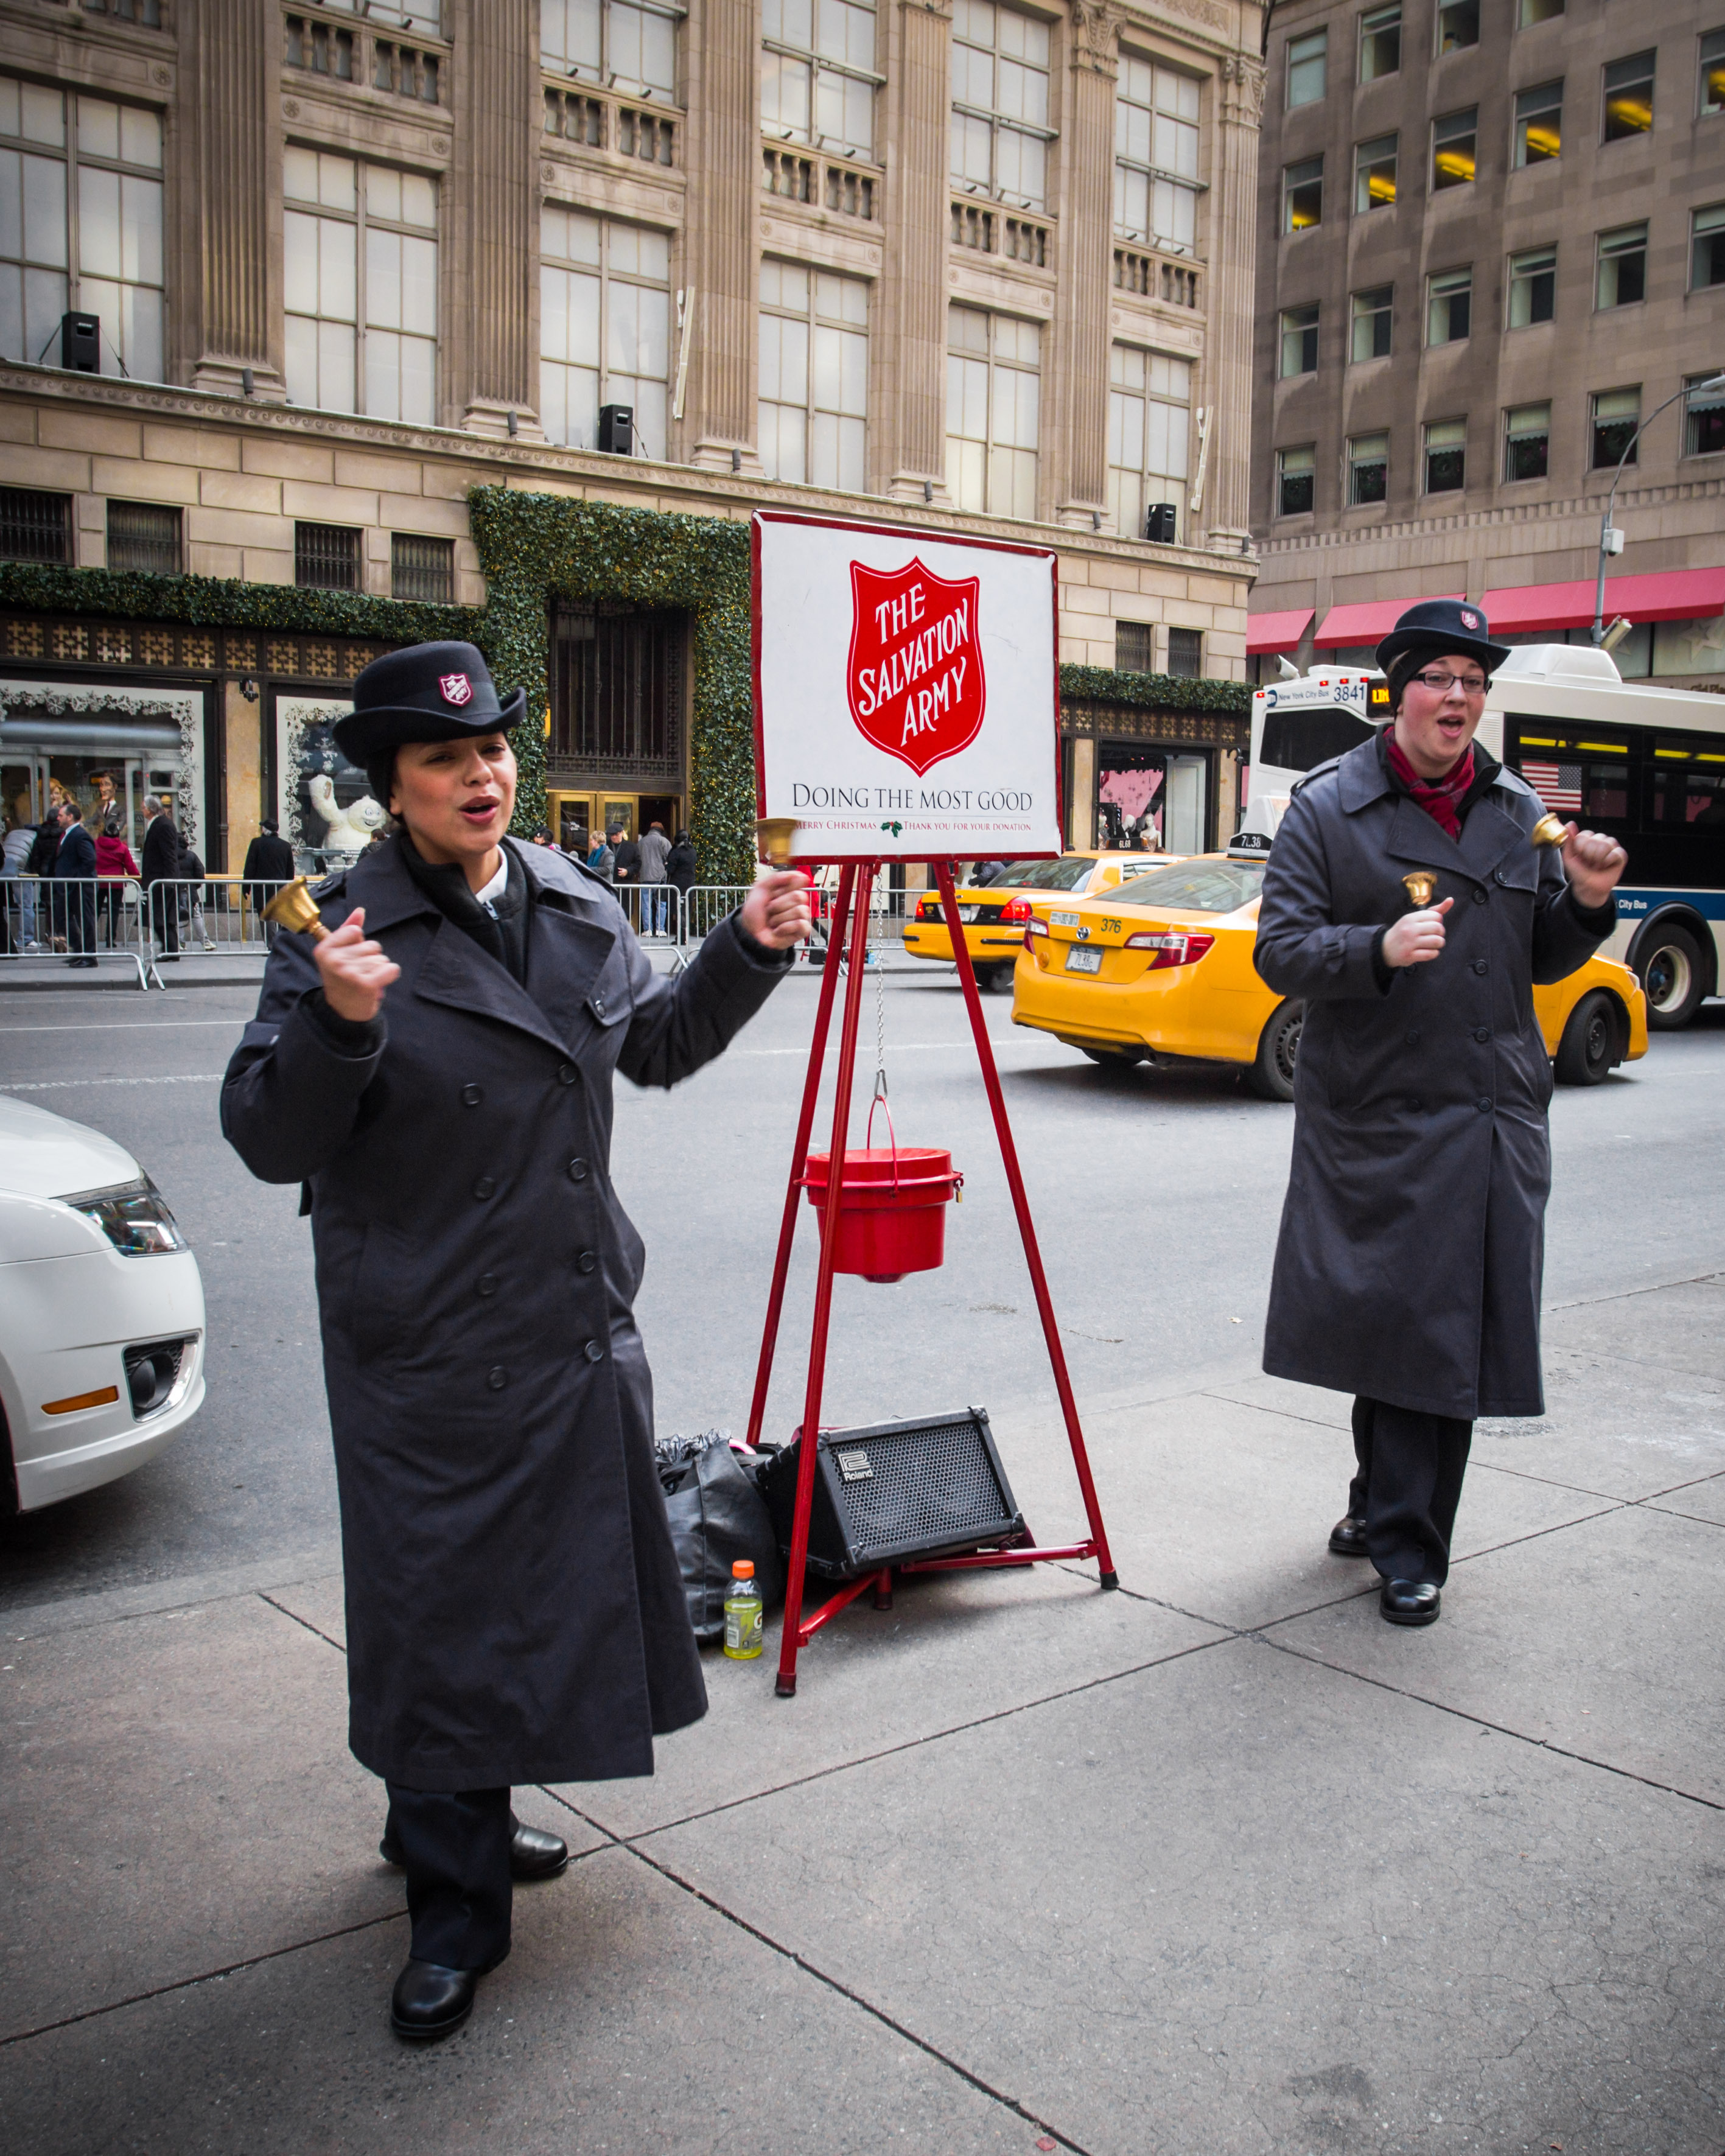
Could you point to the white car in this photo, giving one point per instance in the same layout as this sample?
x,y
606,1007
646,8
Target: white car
x,y
101,1310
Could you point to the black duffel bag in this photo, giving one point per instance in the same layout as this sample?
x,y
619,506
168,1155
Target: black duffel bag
x,y
716,1516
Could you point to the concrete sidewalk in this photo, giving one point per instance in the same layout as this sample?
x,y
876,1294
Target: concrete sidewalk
x,y
1218,1865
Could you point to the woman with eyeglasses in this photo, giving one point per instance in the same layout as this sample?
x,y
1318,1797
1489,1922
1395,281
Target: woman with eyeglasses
x,y
1407,907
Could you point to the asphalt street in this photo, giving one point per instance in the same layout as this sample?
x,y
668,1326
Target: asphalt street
x,y
1156,1194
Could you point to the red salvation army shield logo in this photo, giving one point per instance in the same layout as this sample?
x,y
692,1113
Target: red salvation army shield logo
x,y
915,676
457,688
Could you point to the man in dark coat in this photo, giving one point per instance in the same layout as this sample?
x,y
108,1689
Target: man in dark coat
x,y
268,865
159,858
1407,907
439,1073
75,909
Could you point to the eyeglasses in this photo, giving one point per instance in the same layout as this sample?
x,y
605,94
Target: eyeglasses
x,y
1440,683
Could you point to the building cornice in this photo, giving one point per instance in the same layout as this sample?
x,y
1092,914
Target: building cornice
x,y
1501,517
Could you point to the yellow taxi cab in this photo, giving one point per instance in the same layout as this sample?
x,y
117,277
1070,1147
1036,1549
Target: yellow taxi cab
x,y
994,916
1161,967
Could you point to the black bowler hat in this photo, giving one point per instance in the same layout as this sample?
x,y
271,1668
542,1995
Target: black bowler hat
x,y
429,692
1440,625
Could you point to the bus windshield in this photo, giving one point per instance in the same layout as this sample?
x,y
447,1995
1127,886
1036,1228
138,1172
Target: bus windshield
x,y
1299,740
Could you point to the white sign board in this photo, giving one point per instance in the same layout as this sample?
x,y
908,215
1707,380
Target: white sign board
x,y
906,699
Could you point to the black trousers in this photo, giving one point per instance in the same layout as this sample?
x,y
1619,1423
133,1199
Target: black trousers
x,y
1407,1485
165,916
456,1850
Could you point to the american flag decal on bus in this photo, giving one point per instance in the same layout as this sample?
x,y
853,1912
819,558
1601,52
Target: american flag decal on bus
x,y
1558,785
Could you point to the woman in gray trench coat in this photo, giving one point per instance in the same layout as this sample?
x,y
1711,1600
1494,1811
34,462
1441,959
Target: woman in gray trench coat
x,y
438,1074
1408,1271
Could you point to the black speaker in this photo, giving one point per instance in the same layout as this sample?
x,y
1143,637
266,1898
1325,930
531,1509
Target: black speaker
x,y
617,429
928,1487
1159,523
81,343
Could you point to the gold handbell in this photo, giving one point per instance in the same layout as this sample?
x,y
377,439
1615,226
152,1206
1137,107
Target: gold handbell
x,y
293,906
774,839
1548,831
1420,886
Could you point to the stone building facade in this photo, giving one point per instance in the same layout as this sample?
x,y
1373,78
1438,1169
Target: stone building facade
x,y
1488,254
947,263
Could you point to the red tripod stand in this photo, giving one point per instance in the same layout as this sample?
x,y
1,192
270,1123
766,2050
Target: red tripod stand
x,y
851,910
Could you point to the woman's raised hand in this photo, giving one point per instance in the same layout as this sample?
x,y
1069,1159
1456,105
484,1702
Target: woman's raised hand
x,y
355,972
776,911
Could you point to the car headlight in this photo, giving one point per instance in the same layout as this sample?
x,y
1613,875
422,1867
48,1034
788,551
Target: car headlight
x,y
133,1216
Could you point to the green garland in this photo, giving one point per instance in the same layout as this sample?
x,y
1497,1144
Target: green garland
x,y
224,602
534,547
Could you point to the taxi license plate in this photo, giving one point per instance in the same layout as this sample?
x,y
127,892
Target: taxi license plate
x,y
1079,960
968,912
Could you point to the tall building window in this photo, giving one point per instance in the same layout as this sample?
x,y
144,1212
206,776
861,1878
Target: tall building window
x,y
1295,471
359,258
1134,647
1374,174
992,408
1307,65
629,43
1302,195
1449,307
1527,441
817,76
1713,74
1185,653
327,557
1000,130
1299,341
1622,275
1372,313
1455,141
80,224
1629,97
1458,25
1530,11
815,376
35,527
1539,123
1706,248
1380,42
1155,154
143,535
604,325
421,569
1704,417
1445,456
1149,419
1368,468
1532,286
1616,415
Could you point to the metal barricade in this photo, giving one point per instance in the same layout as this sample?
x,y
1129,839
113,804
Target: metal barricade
x,y
219,916
706,905
75,921
653,909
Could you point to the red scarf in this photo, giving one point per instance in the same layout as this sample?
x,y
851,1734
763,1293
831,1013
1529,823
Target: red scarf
x,y
1440,797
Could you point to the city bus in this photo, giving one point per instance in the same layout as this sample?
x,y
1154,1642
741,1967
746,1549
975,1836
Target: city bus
x,y
1645,764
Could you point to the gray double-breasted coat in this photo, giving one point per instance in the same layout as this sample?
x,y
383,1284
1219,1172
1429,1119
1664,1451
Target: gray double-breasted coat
x,y
515,1609
1412,1239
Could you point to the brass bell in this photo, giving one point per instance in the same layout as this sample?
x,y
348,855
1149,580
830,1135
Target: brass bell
x,y
774,839
1420,886
1548,831
293,906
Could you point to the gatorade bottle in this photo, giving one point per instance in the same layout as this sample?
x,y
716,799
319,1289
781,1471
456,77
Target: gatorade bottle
x,y
743,1611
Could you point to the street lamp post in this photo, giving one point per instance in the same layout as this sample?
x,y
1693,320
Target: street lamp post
x,y
1606,532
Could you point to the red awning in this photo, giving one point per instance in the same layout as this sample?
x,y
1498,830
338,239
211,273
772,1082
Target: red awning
x,y
1276,632
1668,595
1367,621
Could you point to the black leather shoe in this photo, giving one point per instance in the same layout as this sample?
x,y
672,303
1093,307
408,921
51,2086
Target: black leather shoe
x,y
531,1854
1347,1538
430,2000
1409,1602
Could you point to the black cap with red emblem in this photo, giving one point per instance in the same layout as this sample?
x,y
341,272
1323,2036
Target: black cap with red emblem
x,y
428,692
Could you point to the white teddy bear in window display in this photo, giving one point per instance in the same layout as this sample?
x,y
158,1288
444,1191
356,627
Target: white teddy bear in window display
x,y
348,830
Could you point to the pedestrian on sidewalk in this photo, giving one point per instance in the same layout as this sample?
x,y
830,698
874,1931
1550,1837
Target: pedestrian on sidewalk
x,y
1408,1271
655,852
38,863
601,860
268,865
20,904
516,1613
194,877
161,849
681,868
75,865
114,865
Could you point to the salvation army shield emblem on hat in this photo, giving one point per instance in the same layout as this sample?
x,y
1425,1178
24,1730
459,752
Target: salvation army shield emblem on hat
x,y
915,676
456,689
